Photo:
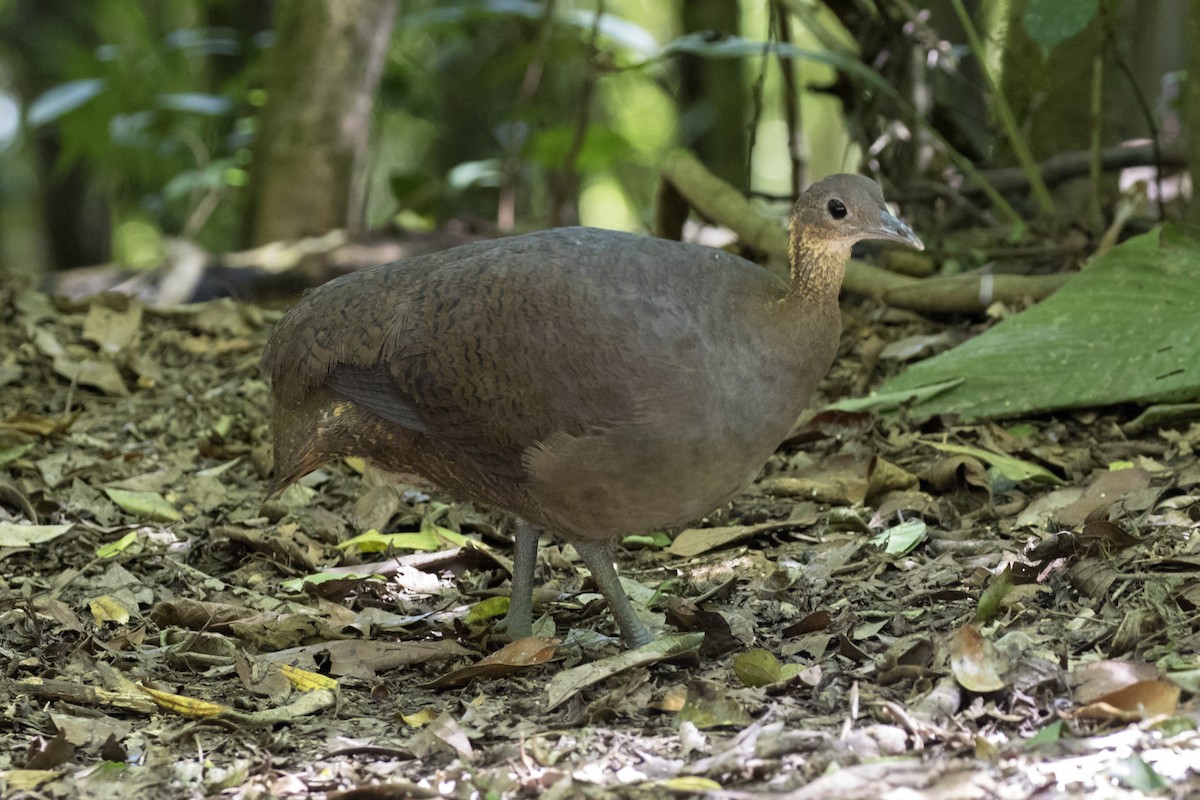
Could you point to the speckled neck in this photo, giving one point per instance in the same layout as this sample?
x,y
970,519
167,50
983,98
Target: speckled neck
x,y
818,266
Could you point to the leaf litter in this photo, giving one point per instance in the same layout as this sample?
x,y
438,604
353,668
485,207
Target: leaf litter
x,y
1034,582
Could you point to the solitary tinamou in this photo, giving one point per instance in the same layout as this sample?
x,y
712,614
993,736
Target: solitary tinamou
x,y
593,383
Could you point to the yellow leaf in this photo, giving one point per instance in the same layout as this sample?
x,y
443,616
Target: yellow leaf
x,y
691,783
422,717
108,609
185,706
306,681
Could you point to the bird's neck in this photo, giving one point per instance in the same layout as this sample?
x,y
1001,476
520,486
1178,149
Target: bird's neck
x,y
817,266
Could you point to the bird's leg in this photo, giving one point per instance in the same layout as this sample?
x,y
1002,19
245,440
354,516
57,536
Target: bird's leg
x,y
518,622
598,557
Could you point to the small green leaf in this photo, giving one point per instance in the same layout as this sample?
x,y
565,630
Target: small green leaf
x,y
791,670
1050,22
757,668
212,105
989,602
900,539
1135,773
115,548
430,537
13,452
1047,735
648,541
147,505
298,584
138,243
487,609
1011,467
1021,430
445,535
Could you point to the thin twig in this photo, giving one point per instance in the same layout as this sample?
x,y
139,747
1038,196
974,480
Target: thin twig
x,y
1143,105
1007,119
1096,165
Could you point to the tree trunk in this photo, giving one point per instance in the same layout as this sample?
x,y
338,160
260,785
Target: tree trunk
x,y
715,100
311,147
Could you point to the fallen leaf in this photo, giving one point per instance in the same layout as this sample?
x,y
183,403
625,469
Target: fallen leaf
x,y
419,718
107,608
443,733
694,541
903,538
13,534
974,661
521,654
711,705
185,706
989,601
146,505
757,668
1133,703
1097,679
92,372
569,682
884,476
1011,467
113,330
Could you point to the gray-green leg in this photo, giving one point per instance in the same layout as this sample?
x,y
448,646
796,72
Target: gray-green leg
x,y
518,622
599,559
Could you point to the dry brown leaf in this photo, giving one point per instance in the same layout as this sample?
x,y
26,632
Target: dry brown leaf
x,y
976,664
1106,488
92,372
694,541
187,706
884,476
566,684
839,480
442,734
1096,679
364,658
816,621
951,474
1136,702
114,330
521,654
672,700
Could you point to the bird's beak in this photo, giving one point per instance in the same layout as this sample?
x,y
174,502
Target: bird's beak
x,y
890,227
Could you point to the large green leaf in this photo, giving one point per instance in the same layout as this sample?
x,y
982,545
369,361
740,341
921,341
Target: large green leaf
x,y
1124,330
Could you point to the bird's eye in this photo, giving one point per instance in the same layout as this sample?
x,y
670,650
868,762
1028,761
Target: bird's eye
x,y
837,209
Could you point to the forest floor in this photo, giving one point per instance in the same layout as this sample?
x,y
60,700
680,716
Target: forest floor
x,y
882,618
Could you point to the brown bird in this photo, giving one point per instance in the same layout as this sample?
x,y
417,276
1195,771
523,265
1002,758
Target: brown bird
x,y
593,383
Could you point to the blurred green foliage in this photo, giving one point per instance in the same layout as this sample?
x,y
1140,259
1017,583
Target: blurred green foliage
x,y
137,117
146,105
